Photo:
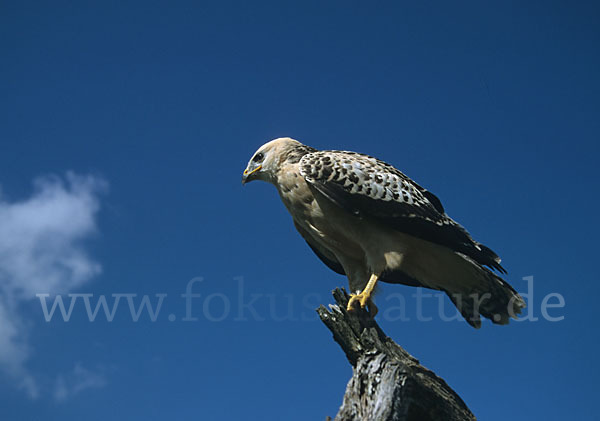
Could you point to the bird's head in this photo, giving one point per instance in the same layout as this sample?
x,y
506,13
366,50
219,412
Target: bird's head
x,y
265,162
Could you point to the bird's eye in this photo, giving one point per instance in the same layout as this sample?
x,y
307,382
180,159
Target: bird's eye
x,y
258,157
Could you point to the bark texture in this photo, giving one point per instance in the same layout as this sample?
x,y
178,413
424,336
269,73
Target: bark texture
x,y
388,384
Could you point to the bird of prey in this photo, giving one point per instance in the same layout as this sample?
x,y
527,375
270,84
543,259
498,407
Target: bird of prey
x,y
367,220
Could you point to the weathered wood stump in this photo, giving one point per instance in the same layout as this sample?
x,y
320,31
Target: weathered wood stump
x,y
388,384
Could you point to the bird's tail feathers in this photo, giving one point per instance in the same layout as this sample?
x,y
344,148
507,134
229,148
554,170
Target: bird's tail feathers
x,y
493,298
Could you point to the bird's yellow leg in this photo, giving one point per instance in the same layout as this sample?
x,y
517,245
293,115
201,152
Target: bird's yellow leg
x,y
364,297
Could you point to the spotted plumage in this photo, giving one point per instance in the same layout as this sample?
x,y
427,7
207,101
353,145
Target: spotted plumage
x,y
367,220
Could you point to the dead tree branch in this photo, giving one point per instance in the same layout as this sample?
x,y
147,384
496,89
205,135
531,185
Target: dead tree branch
x,y
388,384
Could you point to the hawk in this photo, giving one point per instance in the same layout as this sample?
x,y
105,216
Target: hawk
x,y
367,220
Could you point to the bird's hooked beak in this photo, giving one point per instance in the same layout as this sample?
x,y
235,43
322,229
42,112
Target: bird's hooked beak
x,y
252,168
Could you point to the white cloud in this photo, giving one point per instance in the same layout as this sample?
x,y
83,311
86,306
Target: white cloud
x,y
78,380
41,251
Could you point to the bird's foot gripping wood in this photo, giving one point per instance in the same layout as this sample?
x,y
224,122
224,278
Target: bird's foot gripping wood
x,y
364,301
364,298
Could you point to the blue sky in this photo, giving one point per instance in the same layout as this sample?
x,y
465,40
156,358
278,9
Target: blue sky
x,y
125,127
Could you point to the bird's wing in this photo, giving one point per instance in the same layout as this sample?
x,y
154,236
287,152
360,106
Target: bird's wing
x,y
325,255
370,188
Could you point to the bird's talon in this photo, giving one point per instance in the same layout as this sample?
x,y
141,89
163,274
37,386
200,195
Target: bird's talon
x,y
361,298
364,300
